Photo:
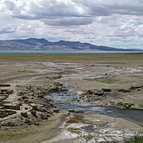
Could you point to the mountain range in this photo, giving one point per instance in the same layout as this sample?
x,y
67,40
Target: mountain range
x,y
43,44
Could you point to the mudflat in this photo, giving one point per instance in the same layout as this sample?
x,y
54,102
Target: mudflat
x,y
98,80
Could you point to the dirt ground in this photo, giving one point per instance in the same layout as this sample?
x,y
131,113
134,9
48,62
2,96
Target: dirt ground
x,y
86,71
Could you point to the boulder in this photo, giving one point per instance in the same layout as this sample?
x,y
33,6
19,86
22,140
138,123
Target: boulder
x,y
106,90
24,114
127,105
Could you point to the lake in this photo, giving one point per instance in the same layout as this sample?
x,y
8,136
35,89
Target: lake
x,y
61,51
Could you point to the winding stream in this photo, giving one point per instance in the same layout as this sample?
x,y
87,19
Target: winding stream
x,y
65,100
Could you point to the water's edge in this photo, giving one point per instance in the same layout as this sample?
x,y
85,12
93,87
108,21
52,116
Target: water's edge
x,y
64,100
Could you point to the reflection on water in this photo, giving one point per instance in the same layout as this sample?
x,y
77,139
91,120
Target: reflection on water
x,y
65,100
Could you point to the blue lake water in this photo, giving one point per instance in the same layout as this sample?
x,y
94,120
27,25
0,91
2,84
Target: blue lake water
x,y
61,51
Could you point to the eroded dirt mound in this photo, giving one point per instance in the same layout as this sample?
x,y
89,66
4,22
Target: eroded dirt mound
x,y
26,104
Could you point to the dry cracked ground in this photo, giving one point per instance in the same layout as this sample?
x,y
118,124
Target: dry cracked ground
x,y
28,113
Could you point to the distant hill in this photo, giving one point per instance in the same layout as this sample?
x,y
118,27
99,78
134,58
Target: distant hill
x,y
43,44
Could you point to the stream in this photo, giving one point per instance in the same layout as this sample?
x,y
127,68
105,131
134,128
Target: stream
x,y
65,100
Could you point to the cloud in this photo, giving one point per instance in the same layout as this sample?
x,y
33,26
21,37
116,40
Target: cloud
x,y
69,21
5,30
103,22
73,8
55,9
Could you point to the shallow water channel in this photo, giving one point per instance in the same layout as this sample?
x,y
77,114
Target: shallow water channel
x,y
65,100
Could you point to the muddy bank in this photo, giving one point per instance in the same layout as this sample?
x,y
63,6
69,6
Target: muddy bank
x,y
110,97
89,123
26,105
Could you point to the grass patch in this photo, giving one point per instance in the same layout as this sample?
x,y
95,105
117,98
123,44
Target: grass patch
x,y
89,137
140,107
135,139
76,119
109,80
74,130
132,58
7,134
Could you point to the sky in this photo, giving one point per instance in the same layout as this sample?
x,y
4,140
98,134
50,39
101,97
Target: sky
x,y
115,23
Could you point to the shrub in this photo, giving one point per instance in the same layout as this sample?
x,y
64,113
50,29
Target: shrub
x,y
135,139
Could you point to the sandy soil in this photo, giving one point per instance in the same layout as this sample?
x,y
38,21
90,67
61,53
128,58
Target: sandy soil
x,y
35,134
85,71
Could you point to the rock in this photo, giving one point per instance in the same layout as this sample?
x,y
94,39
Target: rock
x,y
127,105
6,91
135,87
99,93
24,97
40,96
14,106
5,113
79,111
5,85
124,105
57,87
36,123
40,107
34,106
76,111
89,92
26,101
106,90
71,111
56,110
124,90
33,112
44,116
24,114
28,122
26,108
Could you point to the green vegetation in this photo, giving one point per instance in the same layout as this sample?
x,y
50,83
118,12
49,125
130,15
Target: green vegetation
x,y
135,139
14,133
89,137
76,119
140,107
74,130
135,58
109,80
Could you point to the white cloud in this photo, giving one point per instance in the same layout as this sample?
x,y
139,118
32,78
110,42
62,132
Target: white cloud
x,y
104,22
